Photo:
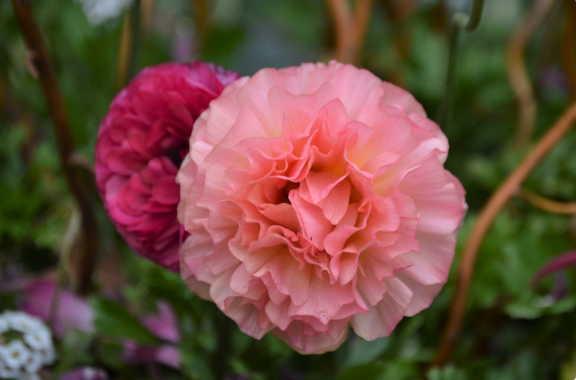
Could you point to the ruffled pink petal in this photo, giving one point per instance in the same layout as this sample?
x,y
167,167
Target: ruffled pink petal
x,y
316,199
382,318
319,343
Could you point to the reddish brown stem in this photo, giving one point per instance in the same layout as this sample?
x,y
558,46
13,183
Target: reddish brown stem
x,y
547,204
129,41
64,140
124,52
146,13
568,50
201,20
350,28
343,23
498,200
361,23
519,79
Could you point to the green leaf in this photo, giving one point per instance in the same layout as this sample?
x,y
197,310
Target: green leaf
x,y
111,353
113,320
196,368
448,373
363,352
73,349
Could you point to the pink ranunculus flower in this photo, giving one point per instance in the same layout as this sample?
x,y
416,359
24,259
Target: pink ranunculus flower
x,y
316,198
140,146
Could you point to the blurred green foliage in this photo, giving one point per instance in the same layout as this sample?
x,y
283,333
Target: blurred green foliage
x,y
511,332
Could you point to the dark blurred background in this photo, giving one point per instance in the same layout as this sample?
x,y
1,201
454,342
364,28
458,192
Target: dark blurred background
x,y
512,330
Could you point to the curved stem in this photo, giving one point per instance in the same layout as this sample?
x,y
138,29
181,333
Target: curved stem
x,y
547,204
568,50
201,20
458,22
343,22
498,200
146,13
361,23
558,263
64,140
129,42
518,74
351,28
475,16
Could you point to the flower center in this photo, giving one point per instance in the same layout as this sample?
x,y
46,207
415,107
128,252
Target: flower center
x,y
285,191
175,155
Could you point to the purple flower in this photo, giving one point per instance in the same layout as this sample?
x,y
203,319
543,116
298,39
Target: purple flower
x,y
164,326
72,312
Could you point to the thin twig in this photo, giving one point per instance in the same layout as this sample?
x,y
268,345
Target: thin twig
x,y
65,142
399,10
519,79
69,240
568,50
460,21
498,200
558,263
361,24
350,28
129,42
547,204
123,53
201,20
343,23
146,13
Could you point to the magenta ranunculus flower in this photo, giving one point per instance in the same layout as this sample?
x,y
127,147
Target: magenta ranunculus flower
x,y
316,198
140,146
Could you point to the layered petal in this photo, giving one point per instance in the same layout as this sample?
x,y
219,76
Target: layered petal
x,y
317,199
141,143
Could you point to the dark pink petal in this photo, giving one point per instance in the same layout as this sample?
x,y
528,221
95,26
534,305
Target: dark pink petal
x,y
141,143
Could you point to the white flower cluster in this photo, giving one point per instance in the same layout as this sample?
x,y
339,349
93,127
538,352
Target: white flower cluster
x,y
25,346
99,11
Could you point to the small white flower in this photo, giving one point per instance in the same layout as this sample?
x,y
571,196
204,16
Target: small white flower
x,y
29,346
38,340
29,376
3,324
23,322
34,363
15,354
99,11
48,356
8,373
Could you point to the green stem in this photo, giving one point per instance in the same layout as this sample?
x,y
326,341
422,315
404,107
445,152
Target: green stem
x,y
220,357
458,22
